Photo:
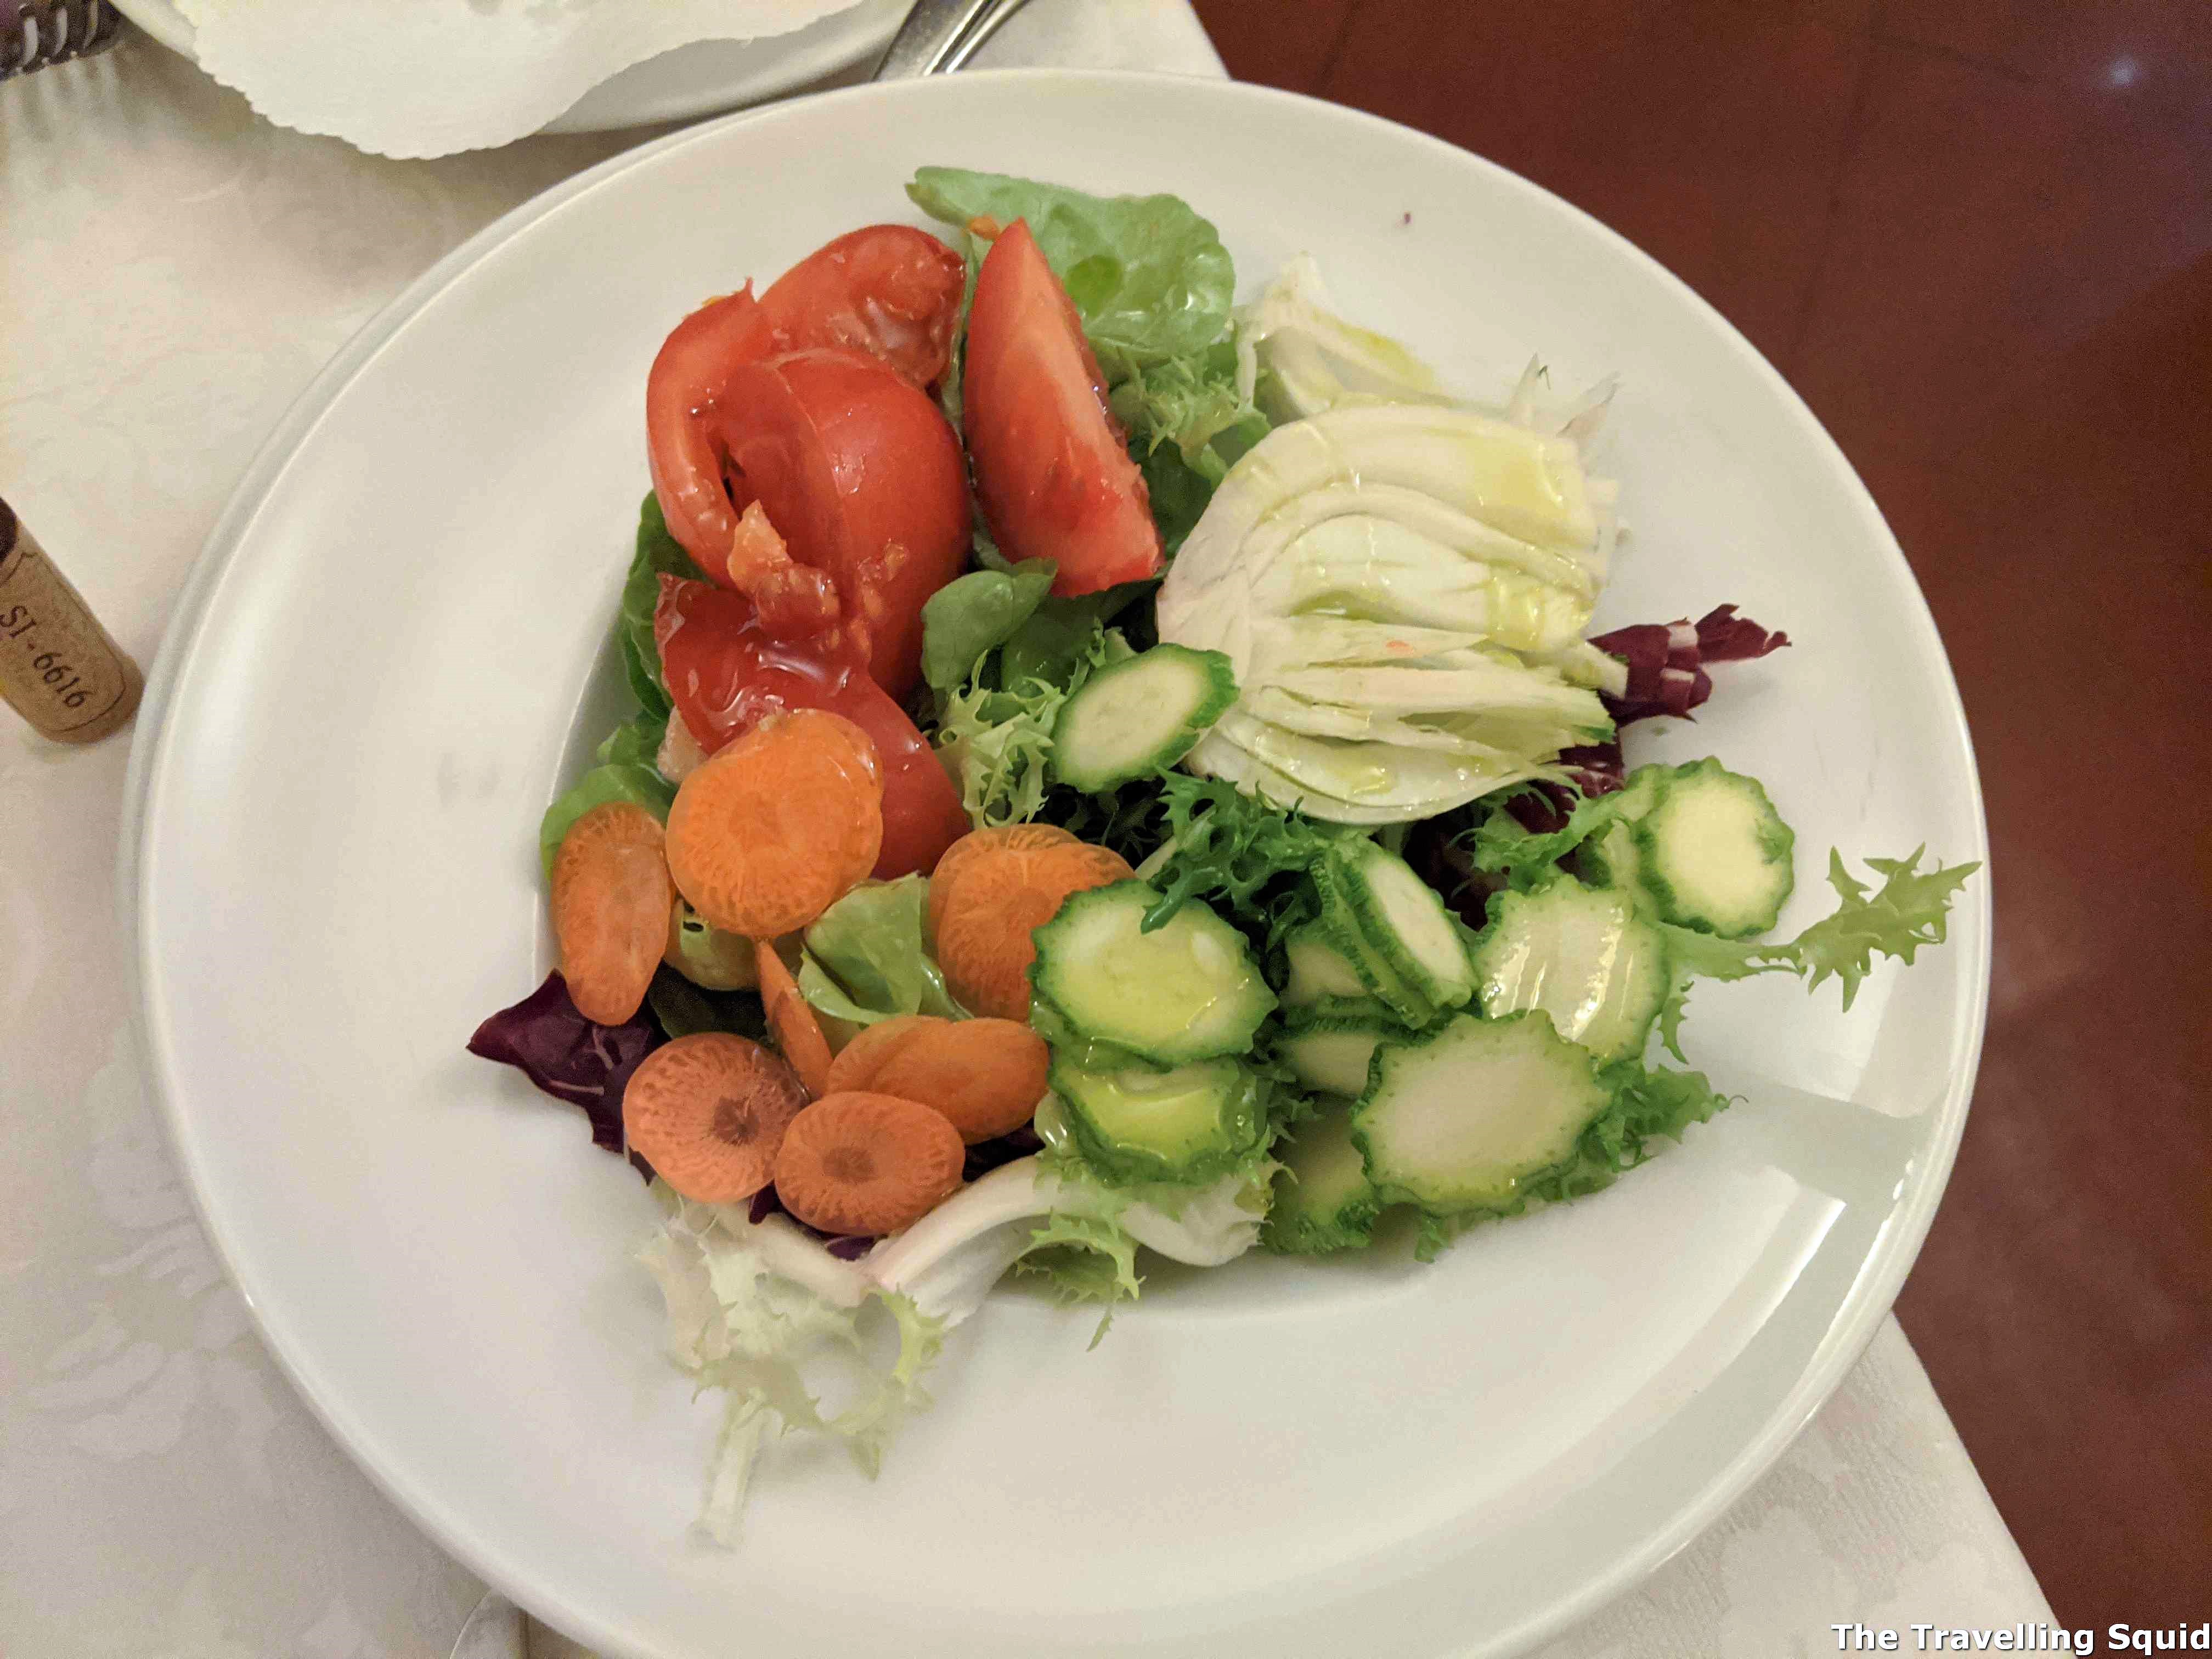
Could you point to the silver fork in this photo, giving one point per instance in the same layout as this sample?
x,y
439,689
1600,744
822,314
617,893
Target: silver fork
x,y
938,36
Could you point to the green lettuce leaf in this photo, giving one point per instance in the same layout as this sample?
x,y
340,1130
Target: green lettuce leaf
x,y
977,613
685,1009
995,731
998,743
1085,1258
625,772
737,1322
1067,638
864,960
1909,910
1503,845
1149,277
658,553
1178,492
1194,403
1226,846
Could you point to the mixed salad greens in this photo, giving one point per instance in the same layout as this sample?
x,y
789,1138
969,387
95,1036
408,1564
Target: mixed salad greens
x,y
1116,771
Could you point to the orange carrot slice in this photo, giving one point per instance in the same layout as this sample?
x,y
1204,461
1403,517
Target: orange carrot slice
x,y
709,1113
985,1075
871,1050
979,843
798,1033
778,826
611,904
861,1162
996,903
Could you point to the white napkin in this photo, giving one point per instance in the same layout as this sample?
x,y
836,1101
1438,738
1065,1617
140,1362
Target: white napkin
x,y
429,77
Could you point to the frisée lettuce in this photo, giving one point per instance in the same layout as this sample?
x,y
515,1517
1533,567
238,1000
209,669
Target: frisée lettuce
x,y
795,1338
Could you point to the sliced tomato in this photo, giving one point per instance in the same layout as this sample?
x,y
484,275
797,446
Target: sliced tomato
x,y
889,290
1052,465
859,472
725,674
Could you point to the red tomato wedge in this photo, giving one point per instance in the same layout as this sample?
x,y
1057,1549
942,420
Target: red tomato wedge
x,y
1052,465
725,674
860,473
888,290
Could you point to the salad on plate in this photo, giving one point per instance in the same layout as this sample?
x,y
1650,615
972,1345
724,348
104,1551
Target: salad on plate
x,y
1120,771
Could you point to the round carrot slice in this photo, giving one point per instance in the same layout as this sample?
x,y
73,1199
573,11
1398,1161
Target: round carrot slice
x,y
995,904
1014,837
861,1162
798,1033
611,904
778,825
869,1052
985,1075
710,1112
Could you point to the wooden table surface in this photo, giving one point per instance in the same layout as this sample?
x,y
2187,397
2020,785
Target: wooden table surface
x,y
1977,235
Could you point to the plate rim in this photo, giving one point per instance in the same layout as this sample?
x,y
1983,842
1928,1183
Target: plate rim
x,y
1859,1315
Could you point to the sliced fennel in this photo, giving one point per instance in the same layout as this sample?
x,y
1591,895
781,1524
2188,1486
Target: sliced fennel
x,y
1297,357
1401,589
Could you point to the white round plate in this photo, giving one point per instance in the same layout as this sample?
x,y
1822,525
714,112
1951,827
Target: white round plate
x,y
393,649
700,79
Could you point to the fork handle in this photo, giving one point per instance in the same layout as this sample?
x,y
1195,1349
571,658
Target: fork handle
x,y
36,33
940,35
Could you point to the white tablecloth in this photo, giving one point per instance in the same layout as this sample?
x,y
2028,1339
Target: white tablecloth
x,y
173,271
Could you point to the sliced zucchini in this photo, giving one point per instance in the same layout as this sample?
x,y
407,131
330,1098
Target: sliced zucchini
x,y
1364,1008
1407,923
1583,955
1191,1124
1341,924
1460,1118
1610,859
1188,990
1319,972
1714,853
1331,1056
1322,1200
1140,715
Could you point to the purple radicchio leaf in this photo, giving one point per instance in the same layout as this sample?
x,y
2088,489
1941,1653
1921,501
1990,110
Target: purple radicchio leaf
x,y
1666,662
568,1057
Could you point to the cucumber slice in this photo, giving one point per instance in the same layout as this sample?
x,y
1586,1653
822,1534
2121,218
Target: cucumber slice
x,y
1188,990
1714,853
1581,955
1331,1056
1364,1009
1319,972
1341,926
1406,921
1460,1119
1140,715
1190,1124
1611,860
1323,1201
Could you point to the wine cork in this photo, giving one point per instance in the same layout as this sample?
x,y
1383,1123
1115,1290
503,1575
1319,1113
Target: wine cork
x,y
59,668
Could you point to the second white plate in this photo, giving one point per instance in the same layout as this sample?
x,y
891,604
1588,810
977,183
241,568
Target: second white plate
x,y
701,79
